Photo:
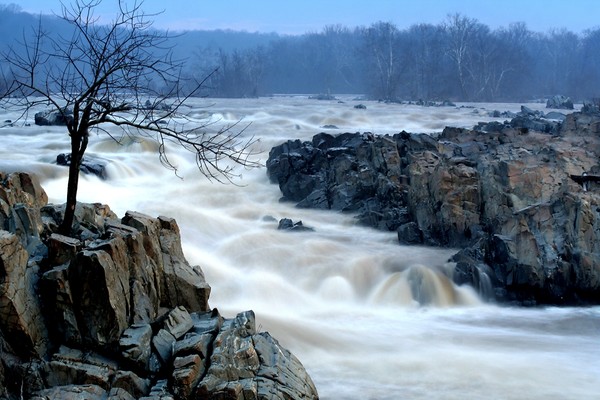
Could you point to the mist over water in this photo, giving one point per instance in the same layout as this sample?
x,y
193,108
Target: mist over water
x,y
368,318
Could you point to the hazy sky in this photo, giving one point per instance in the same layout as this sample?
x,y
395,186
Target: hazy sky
x,y
301,16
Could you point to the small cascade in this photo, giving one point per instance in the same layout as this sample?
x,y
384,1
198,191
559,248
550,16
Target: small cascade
x,y
420,285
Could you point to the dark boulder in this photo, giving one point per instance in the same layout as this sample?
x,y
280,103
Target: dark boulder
x,y
523,196
286,224
89,165
52,117
560,102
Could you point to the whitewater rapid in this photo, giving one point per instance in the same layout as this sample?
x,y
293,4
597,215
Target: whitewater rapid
x,y
341,297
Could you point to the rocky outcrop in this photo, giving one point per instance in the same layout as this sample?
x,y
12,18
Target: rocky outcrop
x,y
560,101
89,165
509,197
118,312
52,117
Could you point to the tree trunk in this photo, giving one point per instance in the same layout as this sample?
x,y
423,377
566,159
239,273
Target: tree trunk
x,y
78,146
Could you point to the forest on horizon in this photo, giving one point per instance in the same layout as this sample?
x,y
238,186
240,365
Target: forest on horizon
x,y
458,59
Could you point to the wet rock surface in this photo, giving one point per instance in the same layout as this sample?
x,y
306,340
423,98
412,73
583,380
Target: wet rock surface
x,y
117,312
519,197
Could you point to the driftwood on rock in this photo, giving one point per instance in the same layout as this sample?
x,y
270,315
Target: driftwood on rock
x,y
118,312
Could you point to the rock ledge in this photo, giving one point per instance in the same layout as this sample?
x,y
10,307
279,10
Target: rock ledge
x,y
118,313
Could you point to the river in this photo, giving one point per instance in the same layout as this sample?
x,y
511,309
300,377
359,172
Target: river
x,y
341,297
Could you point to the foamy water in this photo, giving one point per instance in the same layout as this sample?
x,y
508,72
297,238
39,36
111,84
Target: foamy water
x,y
369,319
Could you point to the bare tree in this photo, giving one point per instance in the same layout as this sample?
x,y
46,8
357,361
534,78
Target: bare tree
x,y
382,44
120,74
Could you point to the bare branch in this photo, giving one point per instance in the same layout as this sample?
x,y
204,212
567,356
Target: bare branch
x,y
122,74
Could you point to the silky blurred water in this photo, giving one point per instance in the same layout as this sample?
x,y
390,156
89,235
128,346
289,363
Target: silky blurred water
x,y
342,297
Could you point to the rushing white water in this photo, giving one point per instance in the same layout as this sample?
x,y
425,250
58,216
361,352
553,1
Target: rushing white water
x,y
342,298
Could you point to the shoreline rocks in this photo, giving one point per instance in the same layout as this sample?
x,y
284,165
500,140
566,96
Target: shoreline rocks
x,y
510,196
117,312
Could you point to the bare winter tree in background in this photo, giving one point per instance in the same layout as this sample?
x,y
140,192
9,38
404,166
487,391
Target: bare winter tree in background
x,y
120,74
382,44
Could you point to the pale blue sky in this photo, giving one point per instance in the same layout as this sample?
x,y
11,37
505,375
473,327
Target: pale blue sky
x,y
301,16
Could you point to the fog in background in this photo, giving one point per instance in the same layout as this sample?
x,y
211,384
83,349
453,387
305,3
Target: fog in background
x,y
457,58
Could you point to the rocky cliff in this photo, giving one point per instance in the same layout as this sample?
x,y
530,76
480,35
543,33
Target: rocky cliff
x,y
522,204
118,313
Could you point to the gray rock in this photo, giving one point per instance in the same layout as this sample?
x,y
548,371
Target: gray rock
x,y
560,101
62,249
247,365
132,384
105,290
135,345
511,195
21,316
55,289
410,233
119,394
74,367
207,322
187,372
89,165
163,343
194,343
53,117
99,280
286,224
71,392
159,391
178,322
281,375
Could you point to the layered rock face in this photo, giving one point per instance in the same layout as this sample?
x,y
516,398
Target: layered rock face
x,y
117,312
523,204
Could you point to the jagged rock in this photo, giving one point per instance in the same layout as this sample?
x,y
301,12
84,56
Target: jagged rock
x,y
180,283
117,393
135,345
286,224
159,391
21,316
530,120
89,165
163,343
62,249
194,343
247,365
178,322
514,195
21,197
119,302
591,107
187,372
55,288
71,392
52,117
132,384
560,101
410,233
74,367
99,280
207,322
278,365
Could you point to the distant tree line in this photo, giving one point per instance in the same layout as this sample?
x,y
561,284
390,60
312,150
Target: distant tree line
x,y
460,59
